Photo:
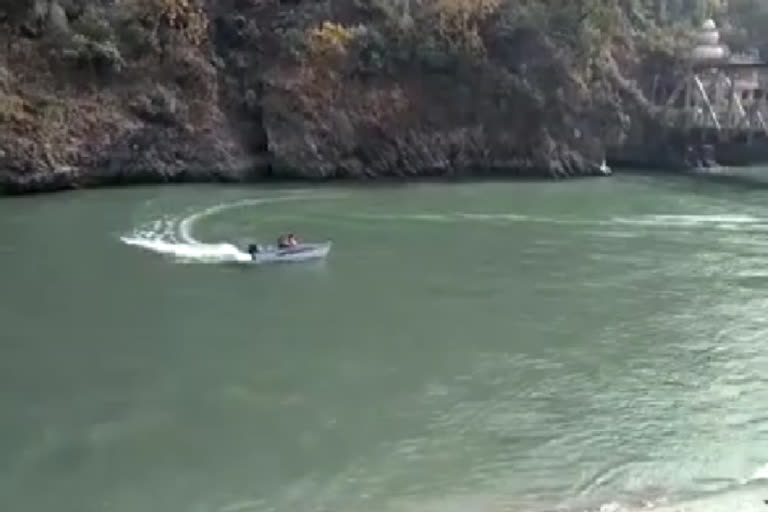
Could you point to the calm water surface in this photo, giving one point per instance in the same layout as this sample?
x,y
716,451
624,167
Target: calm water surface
x,y
586,345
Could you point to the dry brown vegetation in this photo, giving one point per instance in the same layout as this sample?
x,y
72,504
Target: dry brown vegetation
x,y
328,87
459,22
187,18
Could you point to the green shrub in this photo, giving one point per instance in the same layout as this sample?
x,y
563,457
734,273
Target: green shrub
x,y
134,39
104,58
93,25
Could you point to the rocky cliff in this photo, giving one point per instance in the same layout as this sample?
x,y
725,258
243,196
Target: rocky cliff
x,y
124,91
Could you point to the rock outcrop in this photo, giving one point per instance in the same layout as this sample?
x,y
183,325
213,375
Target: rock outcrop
x,y
98,93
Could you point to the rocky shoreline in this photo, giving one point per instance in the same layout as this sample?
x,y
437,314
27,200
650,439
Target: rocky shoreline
x,y
67,179
163,91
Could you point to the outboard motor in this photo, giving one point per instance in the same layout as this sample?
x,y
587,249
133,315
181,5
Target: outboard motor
x,y
252,250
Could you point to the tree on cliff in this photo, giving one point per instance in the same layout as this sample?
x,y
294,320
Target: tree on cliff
x,y
695,11
14,12
338,87
752,17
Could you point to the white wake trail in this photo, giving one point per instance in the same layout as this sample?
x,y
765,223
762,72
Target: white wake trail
x,y
175,237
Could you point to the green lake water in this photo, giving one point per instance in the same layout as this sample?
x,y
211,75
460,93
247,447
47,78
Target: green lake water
x,y
589,345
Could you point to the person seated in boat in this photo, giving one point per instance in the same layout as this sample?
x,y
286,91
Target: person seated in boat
x,y
286,241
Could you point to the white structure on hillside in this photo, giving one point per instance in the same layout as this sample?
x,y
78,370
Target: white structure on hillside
x,y
722,90
708,47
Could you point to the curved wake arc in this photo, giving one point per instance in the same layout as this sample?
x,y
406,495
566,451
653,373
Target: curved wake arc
x,y
174,237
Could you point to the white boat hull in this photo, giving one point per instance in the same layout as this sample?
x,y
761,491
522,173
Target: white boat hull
x,y
301,252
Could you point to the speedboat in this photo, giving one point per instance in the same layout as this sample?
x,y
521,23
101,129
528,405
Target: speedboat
x,y
299,252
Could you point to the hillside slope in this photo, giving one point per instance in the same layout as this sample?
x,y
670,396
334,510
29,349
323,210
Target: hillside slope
x,y
103,92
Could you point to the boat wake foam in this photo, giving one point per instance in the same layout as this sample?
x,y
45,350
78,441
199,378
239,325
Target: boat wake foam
x,y
200,253
174,236
693,221
743,499
759,475
728,222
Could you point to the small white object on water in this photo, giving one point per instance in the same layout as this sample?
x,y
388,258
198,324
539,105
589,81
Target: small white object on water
x,y
604,169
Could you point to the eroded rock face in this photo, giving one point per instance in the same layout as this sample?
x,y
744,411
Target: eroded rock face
x,y
521,113
174,155
97,93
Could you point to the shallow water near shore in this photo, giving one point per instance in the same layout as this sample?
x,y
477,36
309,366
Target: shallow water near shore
x,y
585,345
